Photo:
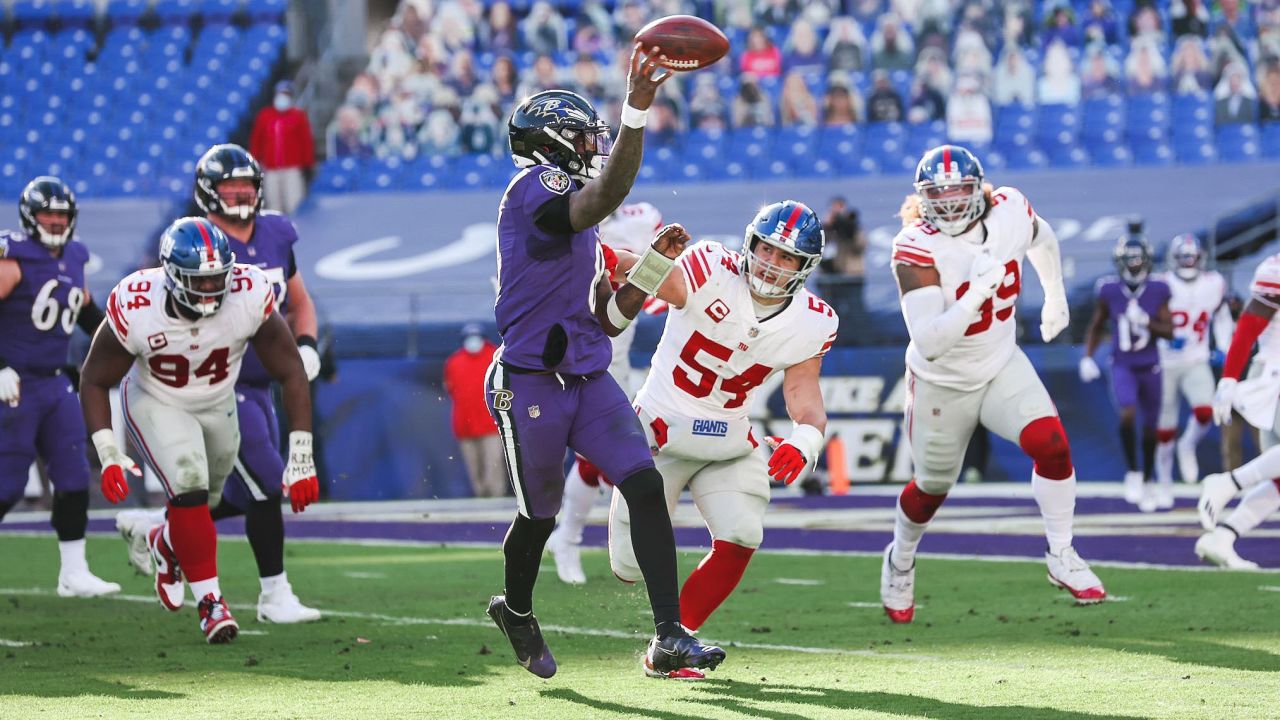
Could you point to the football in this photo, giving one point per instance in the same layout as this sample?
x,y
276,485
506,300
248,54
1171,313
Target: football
x,y
688,42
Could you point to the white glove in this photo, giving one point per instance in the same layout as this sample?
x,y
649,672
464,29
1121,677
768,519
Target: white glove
x,y
985,275
1054,316
1136,315
300,483
310,361
10,387
1089,370
1224,400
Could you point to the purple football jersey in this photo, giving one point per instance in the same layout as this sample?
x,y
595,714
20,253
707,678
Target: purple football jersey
x,y
38,317
270,248
547,280
1132,345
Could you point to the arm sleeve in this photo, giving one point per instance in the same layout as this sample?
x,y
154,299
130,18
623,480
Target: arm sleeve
x,y
1223,326
1046,258
1247,332
90,317
553,216
933,330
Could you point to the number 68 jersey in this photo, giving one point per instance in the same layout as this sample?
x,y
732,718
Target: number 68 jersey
x,y
191,364
714,353
1007,231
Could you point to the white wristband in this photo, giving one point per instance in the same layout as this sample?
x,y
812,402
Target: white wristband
x,y
809,440
299,443
632,117
105,442
615,314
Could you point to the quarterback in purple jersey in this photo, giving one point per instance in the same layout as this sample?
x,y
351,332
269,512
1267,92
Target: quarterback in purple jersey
x,y
1136,307
228,189
43,298
548,388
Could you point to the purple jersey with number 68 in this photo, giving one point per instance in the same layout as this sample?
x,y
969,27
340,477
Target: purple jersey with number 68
x,y
1132,344
38,317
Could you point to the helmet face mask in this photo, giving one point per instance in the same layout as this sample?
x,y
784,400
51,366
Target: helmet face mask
x,y
47,194
558,127
219,164
1132,259
949,185
1186,259
197,262
795,230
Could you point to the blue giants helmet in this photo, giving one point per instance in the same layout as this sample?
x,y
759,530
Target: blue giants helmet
x,y
793,228
560,128
949,184
1132,258
47,194
1186,258
197,260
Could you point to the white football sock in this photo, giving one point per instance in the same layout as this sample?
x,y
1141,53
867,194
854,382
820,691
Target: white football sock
x,y
269,584
1256,506
906,538
578,499
1258,470
200,588
72,553
1194,432
1057,501
1164,462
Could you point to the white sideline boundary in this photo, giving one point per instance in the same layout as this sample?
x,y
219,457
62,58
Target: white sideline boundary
x,y
476,622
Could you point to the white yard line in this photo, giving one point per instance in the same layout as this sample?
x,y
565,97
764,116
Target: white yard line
x,y
799,581
14,643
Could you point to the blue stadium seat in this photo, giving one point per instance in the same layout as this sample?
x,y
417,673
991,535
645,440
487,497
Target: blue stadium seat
x,y
1239,143
796,141
123,13
923,136
269,10
1271,140
1195,153
840,141
1151,152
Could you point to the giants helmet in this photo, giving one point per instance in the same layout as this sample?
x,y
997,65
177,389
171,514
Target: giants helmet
x,y
1186,258
560,128
224,162
47,194
193,250
949,184
793,228
1132,258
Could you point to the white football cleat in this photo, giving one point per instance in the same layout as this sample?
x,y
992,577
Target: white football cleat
x,y
283,607
1218,548
1218,490
1133,483
134,526
568,557
1163,493
1188,463
1148,503
82,583
897,589
1070,572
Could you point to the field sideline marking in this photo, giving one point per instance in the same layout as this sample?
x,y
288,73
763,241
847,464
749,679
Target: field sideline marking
x,y
476,622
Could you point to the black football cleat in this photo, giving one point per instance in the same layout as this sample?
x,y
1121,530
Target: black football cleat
x,y
531,650
680,657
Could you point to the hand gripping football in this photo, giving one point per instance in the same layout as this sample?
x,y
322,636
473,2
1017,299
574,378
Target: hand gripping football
x,y
688,42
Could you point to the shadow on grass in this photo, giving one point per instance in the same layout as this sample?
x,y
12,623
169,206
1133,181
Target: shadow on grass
x,y
754,700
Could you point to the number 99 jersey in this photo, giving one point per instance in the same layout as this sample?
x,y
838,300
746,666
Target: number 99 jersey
x,y
191,364
714,353
1007,231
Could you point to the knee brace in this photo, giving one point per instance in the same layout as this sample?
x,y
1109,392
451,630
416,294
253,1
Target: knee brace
x,y
1165,435
195,498
70,516
919,506
1045,441
1203,414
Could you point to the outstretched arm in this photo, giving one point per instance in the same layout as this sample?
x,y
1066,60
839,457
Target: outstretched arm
x,y
616,311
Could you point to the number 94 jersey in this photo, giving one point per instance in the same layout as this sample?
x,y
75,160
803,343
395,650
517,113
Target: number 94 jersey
x,y
191,364
714,352
1007,231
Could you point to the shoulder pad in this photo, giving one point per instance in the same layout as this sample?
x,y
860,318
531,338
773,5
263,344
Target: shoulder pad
x,y
913,244
705,260
1014,197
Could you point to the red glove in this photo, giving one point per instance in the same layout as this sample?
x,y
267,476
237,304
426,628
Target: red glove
x,y
787,462
115,487
115,484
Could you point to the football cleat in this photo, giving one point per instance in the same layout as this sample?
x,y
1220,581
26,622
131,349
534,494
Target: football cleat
x,y
169,586
215,620
1133,487
526,640
82,583
1162,493
1217,491
1188,463
680,657
1218,548
1148,503
568,557
897,589
134,526
1070,572
283,607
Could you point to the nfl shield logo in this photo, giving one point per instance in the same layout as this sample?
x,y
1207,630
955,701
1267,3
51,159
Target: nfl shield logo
x,y
534,411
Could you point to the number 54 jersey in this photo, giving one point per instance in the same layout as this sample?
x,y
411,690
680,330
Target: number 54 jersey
x,y
191,364
714,353
1006,231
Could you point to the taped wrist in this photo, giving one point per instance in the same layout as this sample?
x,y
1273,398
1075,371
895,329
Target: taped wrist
x,y
809,440
616,316
299,446
650,271
104,441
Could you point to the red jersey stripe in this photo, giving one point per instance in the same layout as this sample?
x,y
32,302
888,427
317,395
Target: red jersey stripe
x,y
912,258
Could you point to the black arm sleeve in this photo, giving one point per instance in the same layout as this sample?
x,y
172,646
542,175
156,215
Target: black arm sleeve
x,y
292,268
91,316
553,216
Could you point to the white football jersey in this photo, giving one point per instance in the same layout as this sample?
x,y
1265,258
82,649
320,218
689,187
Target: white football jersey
x,y
630,228
714,352
188,363
1266,283
1007,231
1192,305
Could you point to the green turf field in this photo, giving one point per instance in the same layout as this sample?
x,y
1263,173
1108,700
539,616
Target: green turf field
x,y
406,636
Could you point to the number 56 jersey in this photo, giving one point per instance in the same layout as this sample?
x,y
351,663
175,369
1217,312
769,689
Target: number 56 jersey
x,y
1006,231
191,364
714,353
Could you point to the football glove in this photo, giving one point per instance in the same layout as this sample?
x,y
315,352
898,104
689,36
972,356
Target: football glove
x,y
792,457
1177,342
1054,316
115,485
1089,369
300,483
985,275
1224,400
10,387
